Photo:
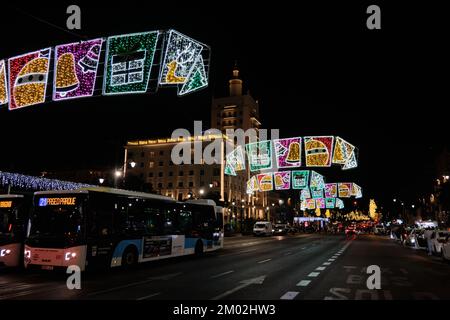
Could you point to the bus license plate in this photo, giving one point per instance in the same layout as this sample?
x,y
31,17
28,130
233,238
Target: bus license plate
x,y
47,267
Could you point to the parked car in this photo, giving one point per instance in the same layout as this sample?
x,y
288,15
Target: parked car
x,y
263,228
416,239
438,238
280,228
379,229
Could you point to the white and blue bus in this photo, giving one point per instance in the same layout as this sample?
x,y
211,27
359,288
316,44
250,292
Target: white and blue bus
x,y
14,210
108,227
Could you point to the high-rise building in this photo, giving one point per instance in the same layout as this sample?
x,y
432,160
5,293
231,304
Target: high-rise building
x,y
150,160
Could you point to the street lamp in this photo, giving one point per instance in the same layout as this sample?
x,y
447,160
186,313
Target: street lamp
x,y
133,164
117,175
395,200
211,185
101,180
201,191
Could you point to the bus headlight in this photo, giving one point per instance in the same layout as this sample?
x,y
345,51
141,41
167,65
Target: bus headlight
x,y
27,254
4,252
70,255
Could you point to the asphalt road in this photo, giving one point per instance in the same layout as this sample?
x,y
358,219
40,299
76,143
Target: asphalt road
x,y
306,266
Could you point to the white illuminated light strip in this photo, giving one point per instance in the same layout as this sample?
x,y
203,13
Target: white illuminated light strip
x,y
3,70
172,34
38,52
330,152
94,43
107,62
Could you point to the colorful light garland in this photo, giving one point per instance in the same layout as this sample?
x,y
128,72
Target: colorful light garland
x,y
330,203
320,203
300,179
330,190
345,189
318,151
288,152
3,84
282,180
25,182
317,181
128,62
259,155
265,181
76,69
236,160
28,78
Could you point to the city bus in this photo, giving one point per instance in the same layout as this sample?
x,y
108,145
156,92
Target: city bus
x,y
98,227
14,211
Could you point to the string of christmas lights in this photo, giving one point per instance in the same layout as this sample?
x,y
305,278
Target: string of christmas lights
x,y
24,182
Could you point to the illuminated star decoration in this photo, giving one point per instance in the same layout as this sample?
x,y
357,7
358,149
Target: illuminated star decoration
x,y
259,155
3,86
76,69
318,151
28,78
25,182
128,62
288,152
183,63
282,180
265,181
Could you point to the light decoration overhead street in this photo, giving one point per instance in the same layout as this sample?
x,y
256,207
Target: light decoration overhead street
x,y
25,182
3,83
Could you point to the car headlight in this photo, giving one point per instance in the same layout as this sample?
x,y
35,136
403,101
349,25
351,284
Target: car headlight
x,y
70,255
4,252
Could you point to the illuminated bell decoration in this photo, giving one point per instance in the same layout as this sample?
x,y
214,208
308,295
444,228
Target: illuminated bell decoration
x,y
90,61
31,82
66,77
294,152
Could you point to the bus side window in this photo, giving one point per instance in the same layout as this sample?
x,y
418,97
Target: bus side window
x,y
154,218
185,221
170,221
102,210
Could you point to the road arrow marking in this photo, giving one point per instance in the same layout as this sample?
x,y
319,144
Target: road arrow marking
x,y
243,284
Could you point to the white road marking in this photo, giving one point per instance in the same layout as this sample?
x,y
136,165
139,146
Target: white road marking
x,y
264,261
334,257
221,274
326,263
303,283
289,295
331,259
287,253
243,284
320,268
313,274
149,296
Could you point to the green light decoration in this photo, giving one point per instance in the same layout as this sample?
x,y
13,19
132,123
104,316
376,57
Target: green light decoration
x,y
197,79
259,155
128,62
330,203
300,179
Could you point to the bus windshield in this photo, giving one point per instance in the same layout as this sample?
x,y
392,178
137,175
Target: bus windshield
x,y
57,217
7,218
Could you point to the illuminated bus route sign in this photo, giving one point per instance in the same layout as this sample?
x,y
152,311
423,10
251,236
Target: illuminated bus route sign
x,y
5,204
70,201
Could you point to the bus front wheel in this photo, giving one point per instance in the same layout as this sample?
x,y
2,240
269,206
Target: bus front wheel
x,y
199,248
130,257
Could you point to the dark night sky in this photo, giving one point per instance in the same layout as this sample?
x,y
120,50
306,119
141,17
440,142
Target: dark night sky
x,y
315,69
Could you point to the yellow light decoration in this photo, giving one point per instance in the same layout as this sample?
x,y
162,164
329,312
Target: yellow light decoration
x,y
171,77
66,77
3,90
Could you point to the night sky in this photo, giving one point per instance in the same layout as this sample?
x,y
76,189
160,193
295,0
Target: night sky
x,y
315,69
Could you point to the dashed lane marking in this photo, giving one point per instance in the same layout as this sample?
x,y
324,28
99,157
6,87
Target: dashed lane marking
x,y
289,295
313,274
264,261
149,296
320,268
303,283
221,274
